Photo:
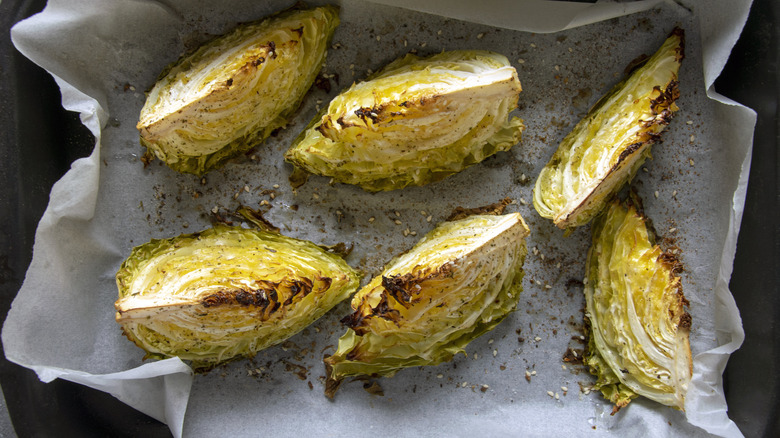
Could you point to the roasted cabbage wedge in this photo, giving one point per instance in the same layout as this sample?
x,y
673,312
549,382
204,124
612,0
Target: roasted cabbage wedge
x,y
225,292
416,121
457,283
231,93
607,147
635,312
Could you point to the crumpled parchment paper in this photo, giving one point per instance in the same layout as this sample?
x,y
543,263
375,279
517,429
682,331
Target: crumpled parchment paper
x,y
104,55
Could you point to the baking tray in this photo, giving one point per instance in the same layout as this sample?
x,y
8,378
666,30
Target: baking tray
x,y
39,140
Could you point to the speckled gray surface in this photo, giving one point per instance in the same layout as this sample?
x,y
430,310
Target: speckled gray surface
x,y
501,386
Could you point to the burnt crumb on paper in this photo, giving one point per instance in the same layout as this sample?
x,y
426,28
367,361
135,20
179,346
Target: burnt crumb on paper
x,y
494,209
573,356
373,388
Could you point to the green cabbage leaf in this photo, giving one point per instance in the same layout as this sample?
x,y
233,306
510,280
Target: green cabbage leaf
x,y
225,292
608,146
638,328
415,122
233,92
457,283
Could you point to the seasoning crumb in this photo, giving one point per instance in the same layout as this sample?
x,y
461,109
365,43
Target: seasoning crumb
x,y
563,367
674,193
276,186
264,202
537,339
557,68
520,61
571,50
564,389
440,376
406,232
215,210
371,219
413,233
672,230
439,32
315,196
203,181
464,384
490,341
533,45
689,122
480,35
533,373
495,353
378,38
422,212
557,397
547,286
429,218
551,394
690,161
484,388
523,201
693,137
423,44
656,194
397,222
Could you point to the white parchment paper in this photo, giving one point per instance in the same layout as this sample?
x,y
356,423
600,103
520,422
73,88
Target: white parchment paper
x,y
105,54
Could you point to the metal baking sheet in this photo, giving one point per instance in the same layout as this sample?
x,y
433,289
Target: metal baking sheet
x,y
167,207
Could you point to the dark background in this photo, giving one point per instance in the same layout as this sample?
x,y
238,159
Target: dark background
x,y
31,114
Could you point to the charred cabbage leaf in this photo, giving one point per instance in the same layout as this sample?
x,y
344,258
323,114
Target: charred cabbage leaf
x,y
417,121
231,93
638,327
458,282
607,147
225,292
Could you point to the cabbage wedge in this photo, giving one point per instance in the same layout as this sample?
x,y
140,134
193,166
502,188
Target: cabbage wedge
x,y
225,292
231,93
415,122
457,283
608,146
635,309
